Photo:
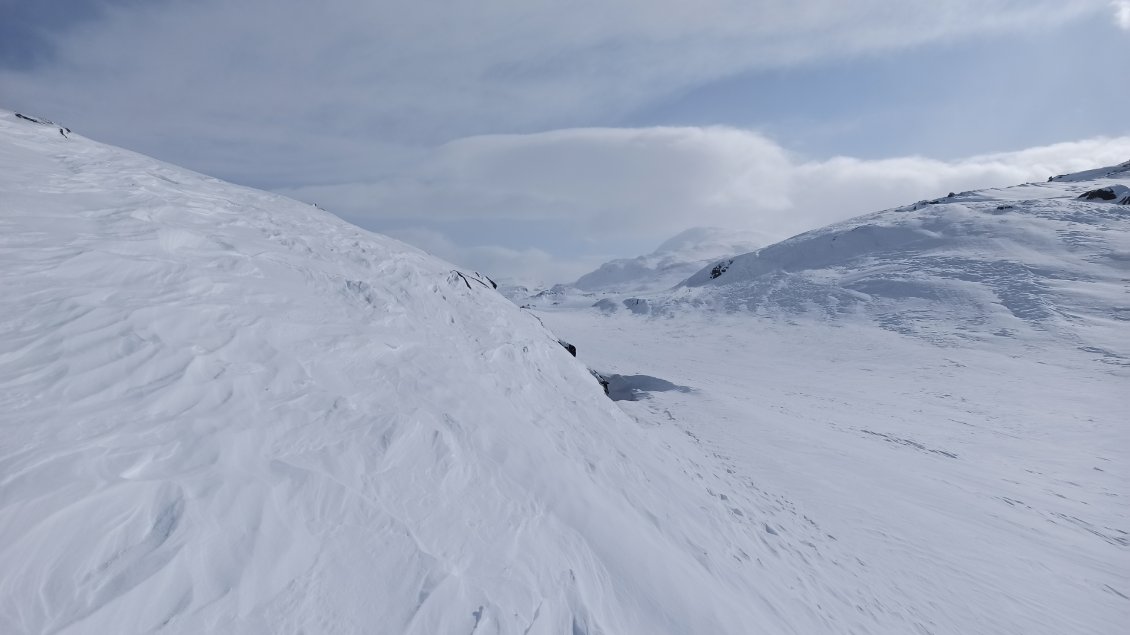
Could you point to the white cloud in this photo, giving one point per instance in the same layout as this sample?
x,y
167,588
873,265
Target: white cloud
x,y
1122,13
653,182
219,82
355,104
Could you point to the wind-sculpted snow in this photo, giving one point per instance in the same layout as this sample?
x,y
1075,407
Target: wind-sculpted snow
x,y
225,411
995,261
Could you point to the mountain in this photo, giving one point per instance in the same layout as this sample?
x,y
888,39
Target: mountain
x,y
1039,257
671,263
227,411
920,412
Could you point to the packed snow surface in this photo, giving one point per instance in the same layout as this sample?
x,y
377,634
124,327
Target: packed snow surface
x,y
225,411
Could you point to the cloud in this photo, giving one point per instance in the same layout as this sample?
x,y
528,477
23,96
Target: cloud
x,y
650,183
1122,13
271,89
390,111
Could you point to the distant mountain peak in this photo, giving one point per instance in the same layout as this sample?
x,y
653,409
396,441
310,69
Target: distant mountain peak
x,y
674,259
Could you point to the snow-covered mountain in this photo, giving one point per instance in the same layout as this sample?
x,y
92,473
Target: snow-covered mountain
x,y
1046,256
923,412
671,263
226,411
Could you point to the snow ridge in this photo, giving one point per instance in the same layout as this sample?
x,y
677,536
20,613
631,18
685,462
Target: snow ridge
x,y
1037,256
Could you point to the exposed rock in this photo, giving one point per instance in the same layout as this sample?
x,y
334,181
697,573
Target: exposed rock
x,y
1103,193
601,379
45,122
720,269
475,276
1119,194
569,347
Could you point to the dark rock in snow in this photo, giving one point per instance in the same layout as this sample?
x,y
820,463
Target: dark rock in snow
x,y
720,269
601,379
46,122
1103,193
569,347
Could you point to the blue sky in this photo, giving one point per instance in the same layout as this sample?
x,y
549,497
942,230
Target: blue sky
x,y
536,139
948,100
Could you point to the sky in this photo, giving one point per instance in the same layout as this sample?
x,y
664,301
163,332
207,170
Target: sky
x,y
534,140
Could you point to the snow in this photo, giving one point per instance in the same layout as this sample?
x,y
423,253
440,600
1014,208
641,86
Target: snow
x,y
671,263
1030,260
226,411
1121,170
921,411
895,486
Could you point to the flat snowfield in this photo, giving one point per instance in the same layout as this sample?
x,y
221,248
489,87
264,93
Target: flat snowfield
x,y
891,484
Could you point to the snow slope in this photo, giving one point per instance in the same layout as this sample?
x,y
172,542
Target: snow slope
x,y
671,263
921,412
990,263
226,411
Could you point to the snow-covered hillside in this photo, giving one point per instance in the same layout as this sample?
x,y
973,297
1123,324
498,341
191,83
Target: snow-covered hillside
x,y
223,411
923,412
671,263
226,411
998,262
